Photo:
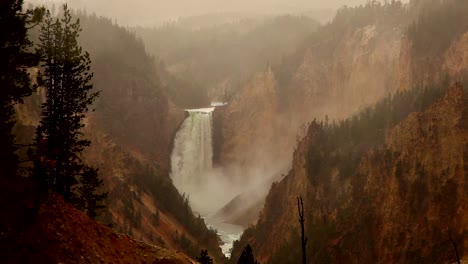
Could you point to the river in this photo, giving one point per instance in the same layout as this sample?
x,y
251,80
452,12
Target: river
x,y
227,232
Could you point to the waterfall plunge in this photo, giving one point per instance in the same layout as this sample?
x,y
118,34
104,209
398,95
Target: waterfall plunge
x,y
194,175
192,163
193,151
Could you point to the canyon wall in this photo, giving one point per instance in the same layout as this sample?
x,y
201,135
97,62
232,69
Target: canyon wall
x,y
257,131
418,185
335,78
403,204
131,133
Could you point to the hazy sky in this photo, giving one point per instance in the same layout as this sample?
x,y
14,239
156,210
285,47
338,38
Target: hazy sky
x,y
148,12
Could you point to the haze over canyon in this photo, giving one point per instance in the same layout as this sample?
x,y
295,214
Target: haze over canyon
x,y
266,131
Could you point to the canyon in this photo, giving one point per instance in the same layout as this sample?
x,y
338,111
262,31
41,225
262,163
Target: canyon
x,y
362,117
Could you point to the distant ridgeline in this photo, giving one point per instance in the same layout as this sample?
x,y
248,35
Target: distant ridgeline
x,y
438,39
214,61
438,25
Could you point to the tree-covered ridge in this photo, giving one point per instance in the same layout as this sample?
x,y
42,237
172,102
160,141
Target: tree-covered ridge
x,y
323,42
341,145
133,105
169,200
439,23
133,111
15,83
332,156
225,54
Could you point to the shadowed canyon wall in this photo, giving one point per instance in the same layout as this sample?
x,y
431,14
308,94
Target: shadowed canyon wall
x,y
417,185
402,204
131,133
338,71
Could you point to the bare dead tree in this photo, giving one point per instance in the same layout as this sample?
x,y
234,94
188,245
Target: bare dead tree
x,y
300,209
455,246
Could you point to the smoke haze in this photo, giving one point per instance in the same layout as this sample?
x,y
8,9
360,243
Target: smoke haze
x,y
153,12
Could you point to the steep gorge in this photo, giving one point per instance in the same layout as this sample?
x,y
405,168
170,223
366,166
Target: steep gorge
x,y
401,205
340,69
368,217
399,186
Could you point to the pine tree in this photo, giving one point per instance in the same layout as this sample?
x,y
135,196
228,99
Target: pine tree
x,y
15,84
59,140
204,258
92,202
247,256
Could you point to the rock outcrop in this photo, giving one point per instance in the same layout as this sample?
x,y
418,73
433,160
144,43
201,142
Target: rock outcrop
x,y
336,78
403,204
456,59
339,76
261,125
249,123
420,71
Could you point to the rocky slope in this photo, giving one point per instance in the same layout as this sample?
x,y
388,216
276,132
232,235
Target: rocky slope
x,y
58,233
404,202
131,132
133,107
250,145
343,68
363,55
451,64
456,58
245,141
360,68
434,47
138,188
142,200
336,77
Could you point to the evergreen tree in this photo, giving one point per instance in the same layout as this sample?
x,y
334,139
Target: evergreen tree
x,y
204,258
59,139
15,83
92,202
247,256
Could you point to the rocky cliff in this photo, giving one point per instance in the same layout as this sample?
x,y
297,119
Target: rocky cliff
x,y
434,46
340,75
347,65
249,122
403,204
342,71
335,77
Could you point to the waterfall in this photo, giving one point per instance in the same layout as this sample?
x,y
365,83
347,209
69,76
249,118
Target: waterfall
x,y
192,156
193,174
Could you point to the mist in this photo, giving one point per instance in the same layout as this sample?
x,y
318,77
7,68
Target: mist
x,y
149,13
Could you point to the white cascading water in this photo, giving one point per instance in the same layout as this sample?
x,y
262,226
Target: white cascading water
x,y
192,156
193,173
